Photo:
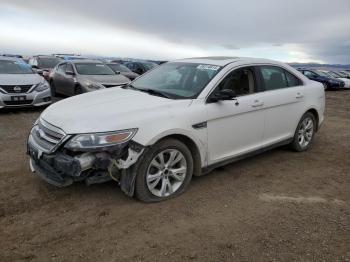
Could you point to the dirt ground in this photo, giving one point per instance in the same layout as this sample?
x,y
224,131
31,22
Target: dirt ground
x,y
278,206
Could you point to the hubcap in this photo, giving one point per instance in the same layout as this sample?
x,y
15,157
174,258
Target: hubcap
x,y
166,173
305,133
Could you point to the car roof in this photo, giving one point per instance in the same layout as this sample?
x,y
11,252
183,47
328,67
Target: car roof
x,y
74,61
224,60
8,58
46,56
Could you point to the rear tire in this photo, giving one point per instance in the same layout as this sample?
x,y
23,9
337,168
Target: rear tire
x,y
304,133
325,86
165,171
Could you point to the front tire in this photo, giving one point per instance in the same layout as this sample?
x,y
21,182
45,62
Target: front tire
x,y
305,132
78,90
53,89
165,172
325,86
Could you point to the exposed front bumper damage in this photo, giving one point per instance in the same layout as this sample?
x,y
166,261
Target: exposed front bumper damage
x,y
63,167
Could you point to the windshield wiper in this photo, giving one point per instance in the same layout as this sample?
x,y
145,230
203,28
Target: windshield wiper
x,y
148,90
155,92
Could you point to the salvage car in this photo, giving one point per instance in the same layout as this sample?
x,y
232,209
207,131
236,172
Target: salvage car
x,y
182,119
43,64
121,69
80,76
327,81
20,85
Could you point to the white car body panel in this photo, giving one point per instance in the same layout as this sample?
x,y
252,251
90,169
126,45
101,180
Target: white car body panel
x,y
231,130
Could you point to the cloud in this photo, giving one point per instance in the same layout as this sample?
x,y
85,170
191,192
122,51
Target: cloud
x,y
318,29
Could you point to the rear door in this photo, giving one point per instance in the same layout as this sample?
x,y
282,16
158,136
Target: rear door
x,y
283,99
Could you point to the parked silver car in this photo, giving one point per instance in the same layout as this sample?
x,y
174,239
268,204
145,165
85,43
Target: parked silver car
x,y
82,76
20,85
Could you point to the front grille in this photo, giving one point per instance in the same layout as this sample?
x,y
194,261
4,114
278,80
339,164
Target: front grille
x,y
16,89
46,136
17,103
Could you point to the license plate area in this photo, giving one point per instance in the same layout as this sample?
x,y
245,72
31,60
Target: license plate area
x,y
18,98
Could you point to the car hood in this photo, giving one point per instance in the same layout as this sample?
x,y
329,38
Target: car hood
x,y
109,110
20,79
106,79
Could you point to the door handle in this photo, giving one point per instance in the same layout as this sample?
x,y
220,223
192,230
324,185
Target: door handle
x,y
299,95
257,103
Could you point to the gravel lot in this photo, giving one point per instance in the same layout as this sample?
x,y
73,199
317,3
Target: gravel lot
x,y
278,206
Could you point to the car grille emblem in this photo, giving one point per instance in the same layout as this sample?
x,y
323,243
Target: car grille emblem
x,y
17,89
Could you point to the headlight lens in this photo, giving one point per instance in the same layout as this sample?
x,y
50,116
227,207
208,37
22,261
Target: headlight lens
x,y
98,140
43,85
92,85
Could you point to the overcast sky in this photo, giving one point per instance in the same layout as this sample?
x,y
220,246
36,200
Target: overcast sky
x,y
286,30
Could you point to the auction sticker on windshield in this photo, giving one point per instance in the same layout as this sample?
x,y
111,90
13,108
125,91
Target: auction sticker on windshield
x,y
208,67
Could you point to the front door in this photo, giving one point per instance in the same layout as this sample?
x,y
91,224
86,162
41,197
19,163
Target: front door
x,y
235,127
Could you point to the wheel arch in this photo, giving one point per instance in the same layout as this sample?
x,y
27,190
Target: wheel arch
x,y
192,146
315,114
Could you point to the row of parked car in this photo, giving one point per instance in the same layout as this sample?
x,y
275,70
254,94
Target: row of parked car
x,y
33,81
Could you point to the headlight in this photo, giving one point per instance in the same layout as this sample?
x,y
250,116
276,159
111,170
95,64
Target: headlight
x,y
43,85
98,140
92,85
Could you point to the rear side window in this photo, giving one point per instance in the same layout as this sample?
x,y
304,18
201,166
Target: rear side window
x,y
276,78
292,80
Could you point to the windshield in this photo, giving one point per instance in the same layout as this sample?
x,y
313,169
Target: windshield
x,y
149,65
334,74
14,67
119,68
178,80
321,73
93,69
49,62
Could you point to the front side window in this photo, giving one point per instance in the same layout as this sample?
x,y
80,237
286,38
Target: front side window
x,y
14,67
178,80
240,81
62,68
93,69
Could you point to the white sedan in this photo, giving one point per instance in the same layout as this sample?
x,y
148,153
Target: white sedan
x,y
180,119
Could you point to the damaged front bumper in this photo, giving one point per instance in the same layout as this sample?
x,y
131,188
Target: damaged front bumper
x,y
63,167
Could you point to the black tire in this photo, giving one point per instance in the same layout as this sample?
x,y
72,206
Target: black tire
x,y
78,90
295,145
53,89
325,85
141,189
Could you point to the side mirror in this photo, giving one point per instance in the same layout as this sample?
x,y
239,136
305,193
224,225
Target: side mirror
x,y
117,72
70,73
35,66
225,94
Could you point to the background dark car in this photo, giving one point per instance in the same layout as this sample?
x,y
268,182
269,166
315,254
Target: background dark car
x,y
319,76
121,69
44,64
140,67
81,76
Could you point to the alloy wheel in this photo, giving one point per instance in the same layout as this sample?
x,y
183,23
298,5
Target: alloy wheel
x,y
166,172
305,132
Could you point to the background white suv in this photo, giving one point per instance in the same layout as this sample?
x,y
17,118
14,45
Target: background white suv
x,y
181,119
20,85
